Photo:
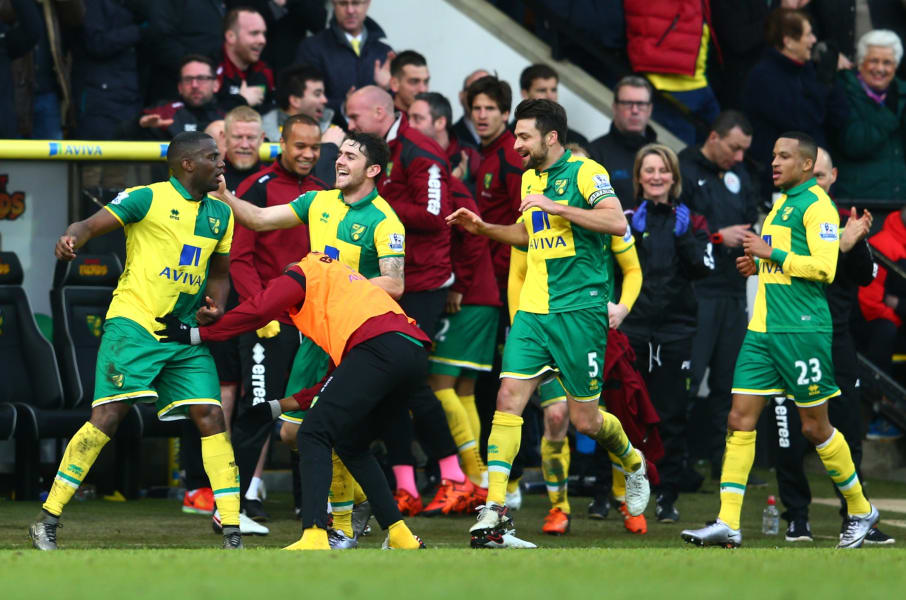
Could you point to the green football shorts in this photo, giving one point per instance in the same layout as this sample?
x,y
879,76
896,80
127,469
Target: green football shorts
x,y
308,369
795,365
570,344
134,367
465,341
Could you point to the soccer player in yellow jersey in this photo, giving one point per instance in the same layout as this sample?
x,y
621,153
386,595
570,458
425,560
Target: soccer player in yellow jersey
x,y
560,329
177,261
787,348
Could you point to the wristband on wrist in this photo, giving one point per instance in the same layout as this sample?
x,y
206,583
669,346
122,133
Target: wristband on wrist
x,y
717,238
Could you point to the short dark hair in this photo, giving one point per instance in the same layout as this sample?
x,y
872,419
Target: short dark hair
x,y
202,58
232,17
184,145
533,72
808,148
438,105
375,149
293,80
496,89
549,116
300,118
784,22
636,81
404,58
729,119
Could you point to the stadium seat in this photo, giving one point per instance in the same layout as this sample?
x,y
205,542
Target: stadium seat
x,y
8,420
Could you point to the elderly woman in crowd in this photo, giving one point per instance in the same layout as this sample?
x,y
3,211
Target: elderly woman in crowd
x,y
674,248
869,148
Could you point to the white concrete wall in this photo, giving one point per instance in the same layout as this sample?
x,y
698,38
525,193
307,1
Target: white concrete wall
x,y
454,46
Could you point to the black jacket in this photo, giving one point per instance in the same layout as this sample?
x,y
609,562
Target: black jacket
x,y
666,309
330,52
781,95
723,199
854,269
185,118
105,87
15,41
616,152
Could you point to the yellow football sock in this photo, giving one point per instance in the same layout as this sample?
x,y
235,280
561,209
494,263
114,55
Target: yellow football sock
x,y
80,454
838,463
614,439
618,486
461,430
555,469
220,465
738,458
342,493
358,494
503,445
401,538
468,403
313,538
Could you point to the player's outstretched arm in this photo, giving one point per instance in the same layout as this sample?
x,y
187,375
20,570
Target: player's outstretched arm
x,y
80,232
257,218
514,235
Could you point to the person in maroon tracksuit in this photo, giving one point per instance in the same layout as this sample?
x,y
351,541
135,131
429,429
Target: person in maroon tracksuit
x,y
266,355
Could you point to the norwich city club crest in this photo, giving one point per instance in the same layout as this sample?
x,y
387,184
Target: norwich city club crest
x,y
214,224
560,186
357,231
787,211
94,323
488,177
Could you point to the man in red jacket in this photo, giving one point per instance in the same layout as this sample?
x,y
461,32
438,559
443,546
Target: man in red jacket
x,y
266,355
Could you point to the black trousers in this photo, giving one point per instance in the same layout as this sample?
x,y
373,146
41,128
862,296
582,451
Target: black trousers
x,y
845,414
265,363
721,330
667,370
427,412
190,456
368,389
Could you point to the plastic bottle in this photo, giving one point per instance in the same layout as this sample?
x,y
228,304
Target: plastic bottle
x,y
770,521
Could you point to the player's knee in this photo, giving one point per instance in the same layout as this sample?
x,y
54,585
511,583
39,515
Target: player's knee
x,y
556,420
586,424
107,417
288,433
509,399
815,431
208,418
739,420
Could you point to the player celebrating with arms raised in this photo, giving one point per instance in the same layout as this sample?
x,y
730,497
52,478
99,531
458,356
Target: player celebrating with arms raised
x,y
787,349
561,326
177,261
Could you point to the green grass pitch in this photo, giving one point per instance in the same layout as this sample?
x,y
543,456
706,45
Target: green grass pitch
x,y
149,549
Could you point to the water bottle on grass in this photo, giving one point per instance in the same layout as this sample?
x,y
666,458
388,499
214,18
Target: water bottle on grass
x,y
770,521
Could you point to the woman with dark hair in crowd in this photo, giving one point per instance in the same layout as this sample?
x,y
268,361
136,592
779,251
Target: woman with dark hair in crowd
x,y
674,249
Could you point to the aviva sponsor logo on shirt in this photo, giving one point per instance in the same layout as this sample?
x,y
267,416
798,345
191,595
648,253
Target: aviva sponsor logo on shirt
x,y
190,256
551,235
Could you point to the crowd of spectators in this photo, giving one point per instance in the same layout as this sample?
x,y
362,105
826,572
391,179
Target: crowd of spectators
x,y
748,70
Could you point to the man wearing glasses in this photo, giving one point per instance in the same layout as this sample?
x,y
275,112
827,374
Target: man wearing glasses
x,y
196,107
349,52
629,131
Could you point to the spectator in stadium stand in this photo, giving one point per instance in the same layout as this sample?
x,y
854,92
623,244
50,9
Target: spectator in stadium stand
x,y
349,52
739,25
629,131
717,186
541,81
767,99
433,113
408,76
267,354
181,27
195,110
854,268
105,81
668,41
16,40
674,249
287,21
300,90
499,178
464,129
242,76
243,135
871,147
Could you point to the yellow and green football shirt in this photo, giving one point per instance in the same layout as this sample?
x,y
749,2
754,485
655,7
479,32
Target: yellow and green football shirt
x,y
802,227
567,266
169,240
358,235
